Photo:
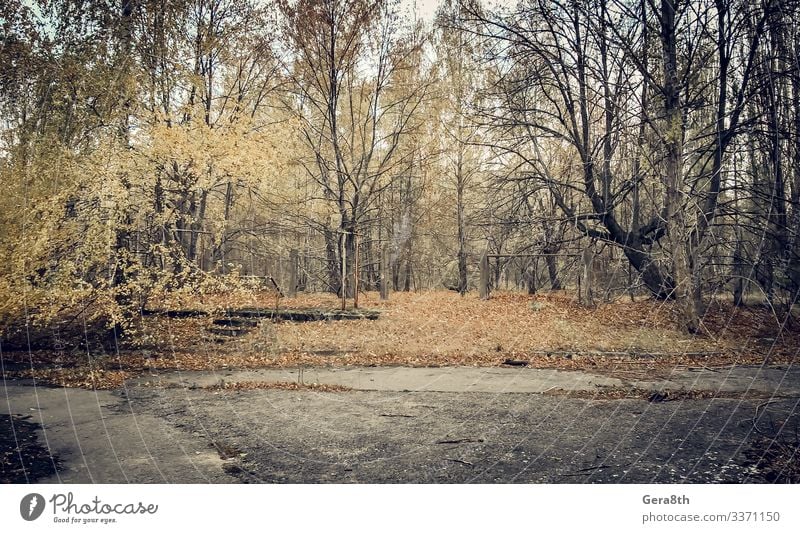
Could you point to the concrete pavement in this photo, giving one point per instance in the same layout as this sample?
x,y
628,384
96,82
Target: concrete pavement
x,y
415,425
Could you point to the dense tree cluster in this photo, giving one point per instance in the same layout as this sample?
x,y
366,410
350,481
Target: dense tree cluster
x,y
149,146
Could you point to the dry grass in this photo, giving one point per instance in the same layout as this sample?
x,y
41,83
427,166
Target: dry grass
x,y
438,328
657,396
440,324
82,377
443,323
279,385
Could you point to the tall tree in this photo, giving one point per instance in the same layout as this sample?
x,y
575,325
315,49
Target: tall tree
x,y
590,74
356,101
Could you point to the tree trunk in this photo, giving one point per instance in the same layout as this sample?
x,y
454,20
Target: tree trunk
x,y
738,274
343,266
586,291
291,288
484,278
552,271
529,277
196,226
673,135
462,237
384,273
332,259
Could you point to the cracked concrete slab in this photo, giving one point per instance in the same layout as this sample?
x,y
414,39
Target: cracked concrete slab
x,y
413,425
780,381
99,438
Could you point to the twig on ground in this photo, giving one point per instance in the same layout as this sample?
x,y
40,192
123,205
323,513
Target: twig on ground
x,y
590,469
755,416
459,441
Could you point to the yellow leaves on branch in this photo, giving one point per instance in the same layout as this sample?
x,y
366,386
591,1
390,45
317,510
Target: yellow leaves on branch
x,y
214,155
65,212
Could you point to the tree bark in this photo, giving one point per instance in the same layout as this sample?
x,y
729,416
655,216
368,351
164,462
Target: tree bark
x,y
673,135
484,277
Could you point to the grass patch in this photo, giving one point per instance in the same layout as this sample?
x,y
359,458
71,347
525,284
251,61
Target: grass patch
x,y
278,385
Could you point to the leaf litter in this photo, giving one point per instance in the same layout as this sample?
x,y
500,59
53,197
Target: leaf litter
x,y
427,329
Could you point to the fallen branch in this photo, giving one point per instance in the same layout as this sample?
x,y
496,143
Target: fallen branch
x,y
587,470
755,417
459,441
459,461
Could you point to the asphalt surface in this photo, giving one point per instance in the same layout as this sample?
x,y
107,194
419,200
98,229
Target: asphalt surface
x,y
408,425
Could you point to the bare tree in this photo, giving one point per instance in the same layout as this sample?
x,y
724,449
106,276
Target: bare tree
x,y
585,76
356,96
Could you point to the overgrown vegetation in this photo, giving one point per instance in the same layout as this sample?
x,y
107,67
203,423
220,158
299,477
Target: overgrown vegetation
x,y
429,329
152,151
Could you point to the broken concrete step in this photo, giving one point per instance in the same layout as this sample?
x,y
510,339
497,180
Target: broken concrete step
x,y
234,322
229,332
304,315
176,313
254,314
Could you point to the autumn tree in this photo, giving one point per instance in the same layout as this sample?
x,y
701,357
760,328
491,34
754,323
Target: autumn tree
x,y
123,151
350,90
597,76
461,77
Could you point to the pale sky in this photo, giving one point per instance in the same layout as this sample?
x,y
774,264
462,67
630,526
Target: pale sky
x,y
426,9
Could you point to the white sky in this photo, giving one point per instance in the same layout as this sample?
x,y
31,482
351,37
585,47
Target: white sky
x,y
426,9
